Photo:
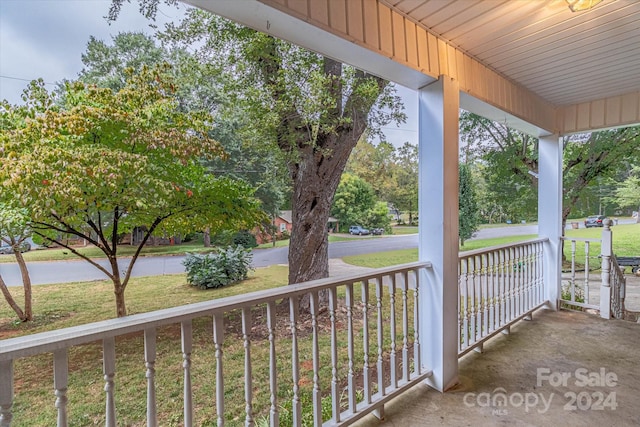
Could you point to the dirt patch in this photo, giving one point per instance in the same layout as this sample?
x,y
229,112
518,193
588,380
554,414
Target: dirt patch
x,y
10,328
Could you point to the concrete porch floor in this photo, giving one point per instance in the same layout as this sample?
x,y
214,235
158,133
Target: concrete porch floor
x,y
599,359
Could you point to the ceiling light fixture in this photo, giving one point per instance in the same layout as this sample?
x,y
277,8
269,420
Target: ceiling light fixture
x,y
581,5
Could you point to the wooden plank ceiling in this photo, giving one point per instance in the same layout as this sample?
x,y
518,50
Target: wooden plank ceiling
x,y
562,56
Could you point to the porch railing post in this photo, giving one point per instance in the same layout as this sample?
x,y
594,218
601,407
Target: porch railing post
x,y
605,287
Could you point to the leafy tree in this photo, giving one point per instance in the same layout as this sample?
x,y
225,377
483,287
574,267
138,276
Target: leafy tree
x,y
106,65
258,166
512,161
375,164
628,194
14,231
106,162
405,194
312,108
469,218
353,202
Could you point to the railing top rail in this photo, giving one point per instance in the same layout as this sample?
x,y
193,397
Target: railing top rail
x,y
582,239
482,251
63,338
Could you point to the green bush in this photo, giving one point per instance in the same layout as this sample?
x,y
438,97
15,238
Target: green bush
x,y
244,239
217,269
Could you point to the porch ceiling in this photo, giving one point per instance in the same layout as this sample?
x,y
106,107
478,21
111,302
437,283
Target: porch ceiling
x,y
562,56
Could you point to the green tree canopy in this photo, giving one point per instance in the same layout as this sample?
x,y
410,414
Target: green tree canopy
x,y
107,65
106,162
353,202
469,217
511,159
628,194
312,108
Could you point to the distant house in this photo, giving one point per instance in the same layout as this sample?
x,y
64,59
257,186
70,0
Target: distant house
x,y
283,224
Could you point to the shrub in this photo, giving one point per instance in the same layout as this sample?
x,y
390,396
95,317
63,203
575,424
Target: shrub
x,y
244,239
217,269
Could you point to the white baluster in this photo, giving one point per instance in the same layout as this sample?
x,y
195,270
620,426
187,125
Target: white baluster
x,y
586,272
502,289
218,343
393,353
380,362
60,383
491,259
295,362
248,387
6,392
520,280
366,374
187,345
416,324
573,270
473,300
109,370
404,284
511,285
274,417
150,363
485,293
335,392
315,355
351,387
463,302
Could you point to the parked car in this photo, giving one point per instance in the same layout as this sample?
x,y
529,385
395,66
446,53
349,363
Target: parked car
x,y
377,231
594,221
356,229
6,249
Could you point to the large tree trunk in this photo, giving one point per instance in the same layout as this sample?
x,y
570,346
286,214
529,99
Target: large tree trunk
x,y
314,185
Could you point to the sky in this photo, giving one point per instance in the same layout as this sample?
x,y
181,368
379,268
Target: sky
x,y
46,38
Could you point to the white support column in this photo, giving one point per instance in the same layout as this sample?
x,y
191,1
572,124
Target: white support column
x,y
438,108
605,286
550,214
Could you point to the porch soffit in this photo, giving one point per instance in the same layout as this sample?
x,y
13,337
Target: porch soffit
x,y
547,68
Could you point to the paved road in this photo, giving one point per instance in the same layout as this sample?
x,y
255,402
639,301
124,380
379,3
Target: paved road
x,y
80,270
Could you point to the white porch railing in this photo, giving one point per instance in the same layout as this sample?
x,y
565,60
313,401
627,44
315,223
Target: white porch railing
x,y
358,351
496,287
580,284
618,285
595,280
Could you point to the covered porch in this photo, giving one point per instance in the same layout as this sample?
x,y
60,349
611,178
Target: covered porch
x,y
388,332
560,368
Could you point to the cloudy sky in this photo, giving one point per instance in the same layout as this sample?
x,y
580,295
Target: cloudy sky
x,y
45,39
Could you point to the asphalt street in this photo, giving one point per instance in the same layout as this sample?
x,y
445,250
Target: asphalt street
x,y
80,270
